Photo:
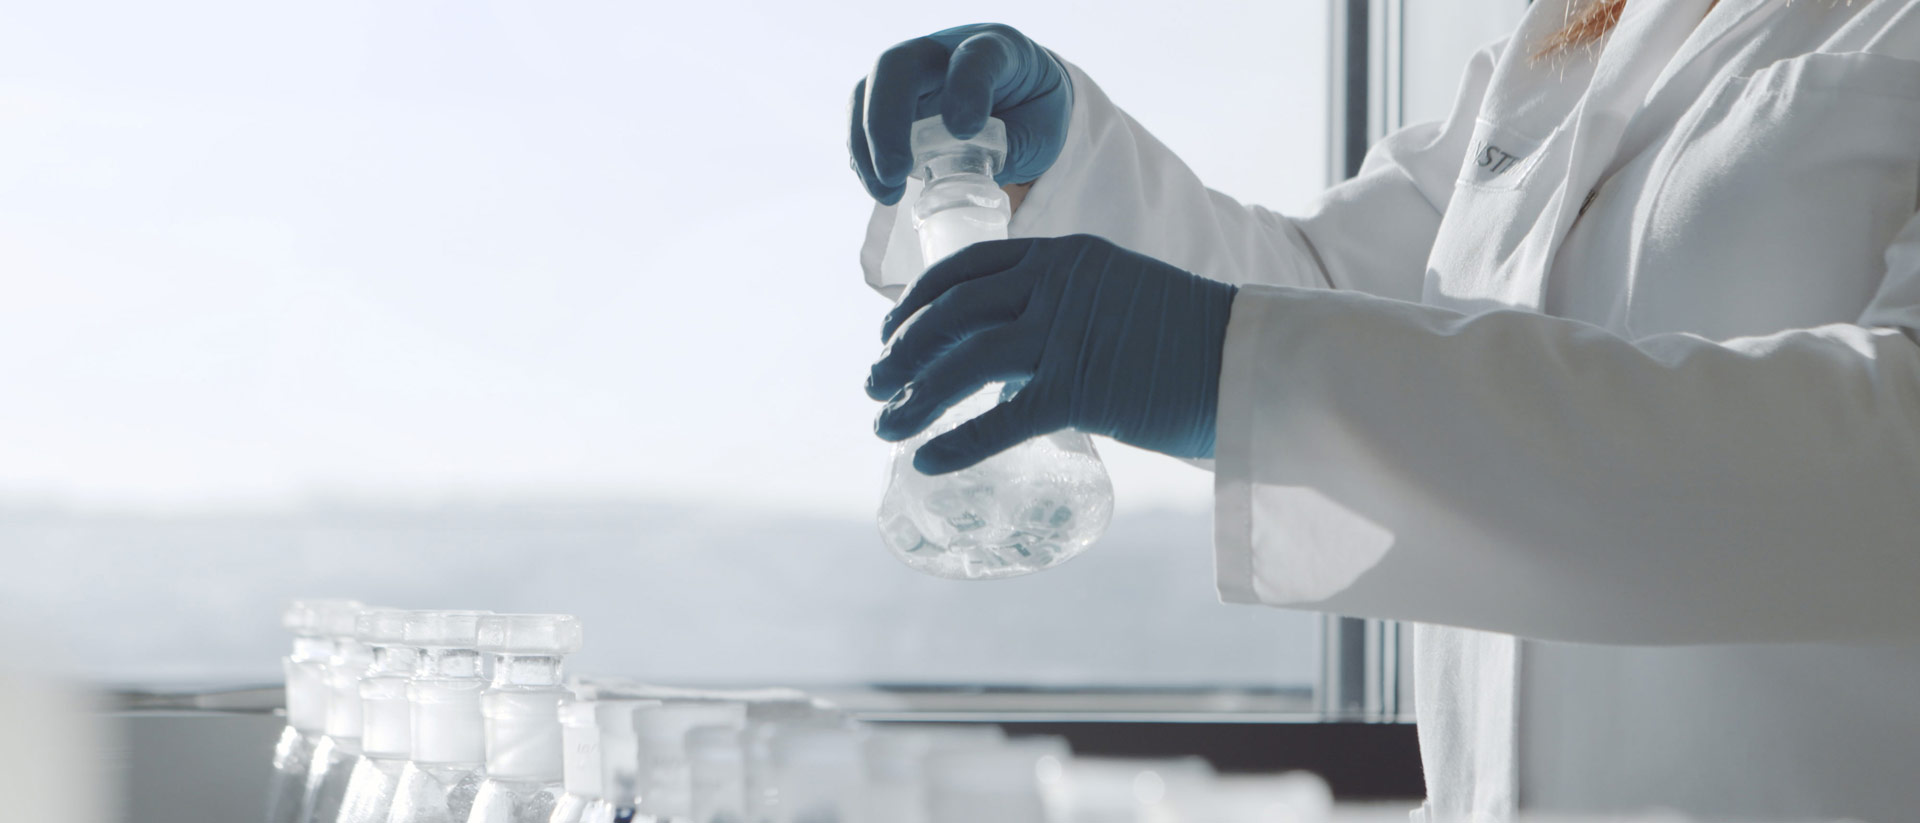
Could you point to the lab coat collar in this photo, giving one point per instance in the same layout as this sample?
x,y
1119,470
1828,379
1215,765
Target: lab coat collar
x,y
1657,61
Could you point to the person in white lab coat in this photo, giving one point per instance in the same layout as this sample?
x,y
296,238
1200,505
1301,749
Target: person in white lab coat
x,y
1624,351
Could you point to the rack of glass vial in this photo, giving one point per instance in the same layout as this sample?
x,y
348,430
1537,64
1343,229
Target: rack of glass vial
x,y
398,716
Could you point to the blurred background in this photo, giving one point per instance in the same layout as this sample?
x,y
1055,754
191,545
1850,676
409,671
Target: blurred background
x,y
546,307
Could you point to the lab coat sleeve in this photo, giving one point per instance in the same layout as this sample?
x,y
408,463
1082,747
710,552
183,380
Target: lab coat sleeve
x,y
1535,475
1115,180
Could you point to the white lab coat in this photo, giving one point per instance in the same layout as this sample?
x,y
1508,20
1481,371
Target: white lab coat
x,y
1623,352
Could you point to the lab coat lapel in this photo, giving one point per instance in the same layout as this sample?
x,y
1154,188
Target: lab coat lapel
x,y
1515,162
1641,50
1697,64
1549,129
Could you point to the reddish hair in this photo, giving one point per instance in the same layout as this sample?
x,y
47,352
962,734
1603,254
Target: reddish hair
x,y
1583,27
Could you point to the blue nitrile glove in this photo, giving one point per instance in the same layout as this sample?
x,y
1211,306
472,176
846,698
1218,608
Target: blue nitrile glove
x,y
963,74
1109,341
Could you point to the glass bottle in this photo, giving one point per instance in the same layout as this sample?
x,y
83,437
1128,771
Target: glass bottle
x,y
440,780
1031,507
306,684
339,748
386,739
522,713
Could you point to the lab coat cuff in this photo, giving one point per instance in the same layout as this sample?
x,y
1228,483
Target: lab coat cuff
x,y
1233,522
1276,540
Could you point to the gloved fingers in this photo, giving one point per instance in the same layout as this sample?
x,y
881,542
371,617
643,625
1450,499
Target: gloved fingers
x,y
992,432
1035,131
980,65
991,356
901,76
964,310
971,263
860,155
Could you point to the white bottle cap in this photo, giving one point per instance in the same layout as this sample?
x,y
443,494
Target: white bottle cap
x,y
580,748
306,670
929,137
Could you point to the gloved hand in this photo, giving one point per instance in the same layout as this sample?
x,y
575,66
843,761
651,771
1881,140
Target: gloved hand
x,y
964,74
1109,341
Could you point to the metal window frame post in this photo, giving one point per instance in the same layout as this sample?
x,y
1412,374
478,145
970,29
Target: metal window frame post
x,y
1366,672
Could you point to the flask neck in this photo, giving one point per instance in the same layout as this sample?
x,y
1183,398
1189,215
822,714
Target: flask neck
x,y
957,160
393,661
527,671
447,663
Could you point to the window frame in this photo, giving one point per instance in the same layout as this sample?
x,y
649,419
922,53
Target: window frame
x,y
1362,676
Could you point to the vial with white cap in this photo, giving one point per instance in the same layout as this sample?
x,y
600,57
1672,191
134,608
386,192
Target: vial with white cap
x,y
1289,797
619,800
765,722
522,711
896,756
386,738
666,773
1017,782
820,773
305,669
1030,507
1122,790
717,771
447,732
579,760
339,747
